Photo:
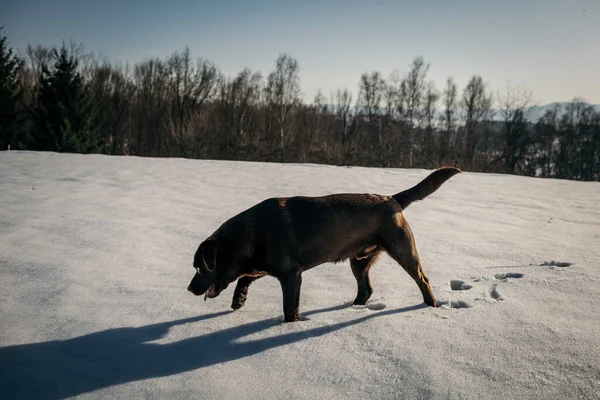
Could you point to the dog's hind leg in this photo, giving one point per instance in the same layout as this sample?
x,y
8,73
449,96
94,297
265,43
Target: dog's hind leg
x,y
360,269
290,285
241,291
400,245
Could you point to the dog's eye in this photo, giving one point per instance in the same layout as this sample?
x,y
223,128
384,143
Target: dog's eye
x,y
198,271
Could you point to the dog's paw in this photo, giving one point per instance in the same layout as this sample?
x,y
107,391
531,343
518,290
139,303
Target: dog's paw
x,y
300,318
238,302
236,305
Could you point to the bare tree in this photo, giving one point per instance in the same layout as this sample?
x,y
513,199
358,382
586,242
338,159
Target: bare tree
x,y
579,141
237,121
345,125
283,96
415,89
515,108
447,135
395,96
341,108
37,57
410,100
477,103
595,142
428,148
311,139
546,138
189,87
151,107
113,92
370,94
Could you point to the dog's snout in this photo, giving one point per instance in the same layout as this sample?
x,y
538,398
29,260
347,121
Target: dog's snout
x,y
190,289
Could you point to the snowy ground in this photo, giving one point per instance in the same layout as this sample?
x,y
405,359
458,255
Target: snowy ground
x,y
95,258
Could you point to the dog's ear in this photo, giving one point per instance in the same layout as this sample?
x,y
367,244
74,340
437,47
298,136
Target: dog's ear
x,y
209,254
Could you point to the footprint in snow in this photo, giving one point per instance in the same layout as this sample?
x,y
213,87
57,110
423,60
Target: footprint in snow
x,y
503,277
370,306
376,306
457,284
492,293
495,295
453,304
560,264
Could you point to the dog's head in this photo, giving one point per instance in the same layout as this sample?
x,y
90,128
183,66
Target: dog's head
x,y
211,276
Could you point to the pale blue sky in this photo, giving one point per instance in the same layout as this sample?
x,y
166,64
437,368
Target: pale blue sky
x,y
548,46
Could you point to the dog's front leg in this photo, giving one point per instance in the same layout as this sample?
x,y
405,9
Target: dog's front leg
x,y
290,285
241,291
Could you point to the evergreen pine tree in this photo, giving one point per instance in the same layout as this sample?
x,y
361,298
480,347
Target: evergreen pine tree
x,y
10,96
63,114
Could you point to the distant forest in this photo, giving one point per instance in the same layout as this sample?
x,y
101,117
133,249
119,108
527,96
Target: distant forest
x,y
66,100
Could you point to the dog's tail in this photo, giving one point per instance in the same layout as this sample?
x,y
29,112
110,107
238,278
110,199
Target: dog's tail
x,y
426,187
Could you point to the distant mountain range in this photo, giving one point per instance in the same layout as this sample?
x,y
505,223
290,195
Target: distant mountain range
x,y
535,112
532,113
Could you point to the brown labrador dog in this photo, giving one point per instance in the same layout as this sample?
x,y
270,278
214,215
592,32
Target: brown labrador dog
x,y
284,237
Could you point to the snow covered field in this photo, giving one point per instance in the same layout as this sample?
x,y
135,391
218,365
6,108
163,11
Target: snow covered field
x,y
96,253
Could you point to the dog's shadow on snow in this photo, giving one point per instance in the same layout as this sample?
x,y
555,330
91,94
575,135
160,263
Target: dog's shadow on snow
x,y
66,368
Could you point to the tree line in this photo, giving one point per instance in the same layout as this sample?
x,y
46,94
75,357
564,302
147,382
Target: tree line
x,y
66,100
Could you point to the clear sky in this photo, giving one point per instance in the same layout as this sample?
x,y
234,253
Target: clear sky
x,y
549,46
